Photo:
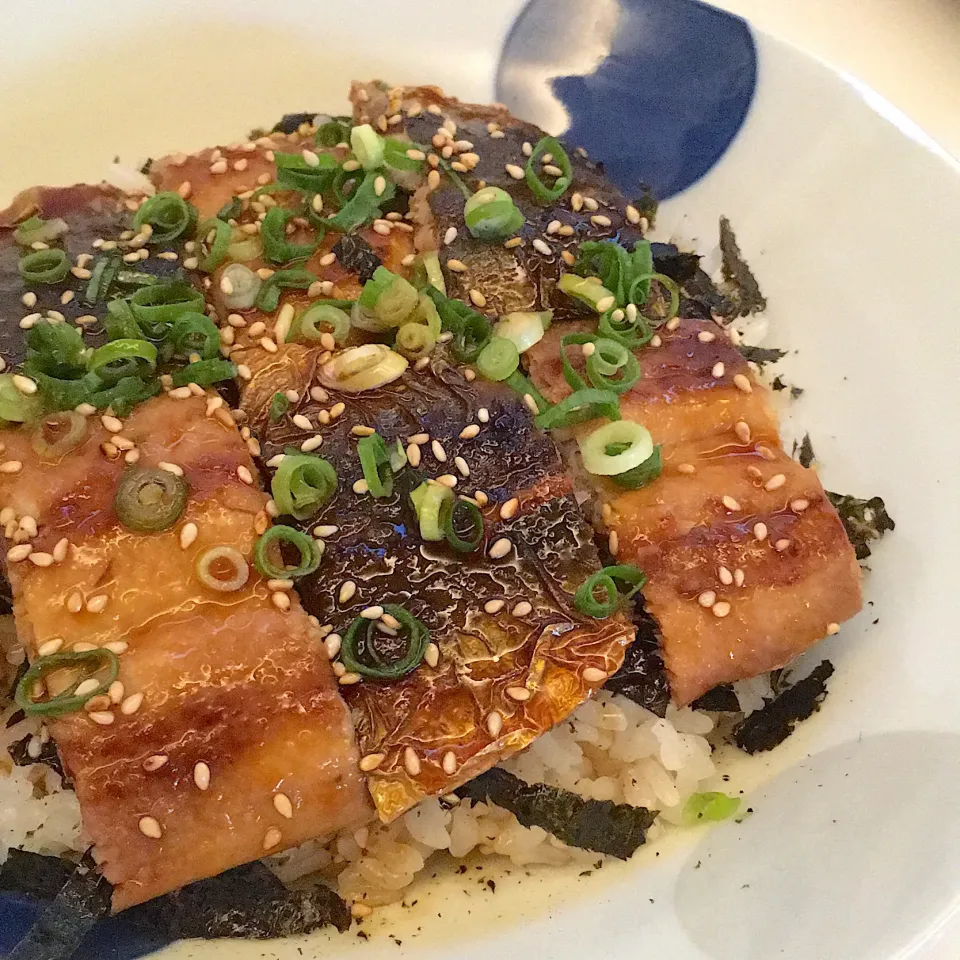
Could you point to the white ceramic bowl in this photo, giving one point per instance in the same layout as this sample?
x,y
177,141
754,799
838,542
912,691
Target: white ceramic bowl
x,y
849,216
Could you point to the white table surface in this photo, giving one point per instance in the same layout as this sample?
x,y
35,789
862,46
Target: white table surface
x,y
907,50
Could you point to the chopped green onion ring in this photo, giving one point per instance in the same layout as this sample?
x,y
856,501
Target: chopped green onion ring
x,y
195,333
375,461
59,433
491,214
168,214
642,474
244,286
224,569
667,282
15,406
36,229
302,484
367,146
453,515
428,500
214,252
271,543
540,190
273,233
279,405
605,580
580,406
322,318
609,358
587,290
149,499
157,307
709,807
631,332
295,278
632,440
123,358
66,701
498,359
44,266
205,372
360,651
102,276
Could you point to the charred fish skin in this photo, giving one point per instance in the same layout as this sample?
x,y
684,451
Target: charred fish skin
x,y
513,656
481,144
223,700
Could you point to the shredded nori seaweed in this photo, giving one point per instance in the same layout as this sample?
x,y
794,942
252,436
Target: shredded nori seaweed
x,y
290,122
248,902
79,905
19,754
642,676
746,290
761,355
700,298
864,520
804,451
769,726
721,699
616,829
356,255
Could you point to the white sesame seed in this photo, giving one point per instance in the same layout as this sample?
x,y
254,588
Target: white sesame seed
x,y
522,608
450,236
283,806
553,226
131,704
83,647
173,468
19,552
97,604
469,432
149,826
494,723
462,466
600,221
760,531
481,498
766,452
154,763
25,385
336,410
632,214
718,370
707,599
29,300
798,506
372,613
494,606
361,486
478,299
51,647
541,246
332,645
605,304
447,480
371,761
188,534
742,383
438,451
731,504
302,421
483,415
41,559
833,628
411,762
781,545
594,675
280,600
500,549
742,430
413,455
514,242
272,838
116,646
102,717
115,692
360,910
310,158
726,577
531,404
60,550
514,171
721,608
775,482
201,775
311,444
432,655
738,577
520,694
347,589
86,686
244,474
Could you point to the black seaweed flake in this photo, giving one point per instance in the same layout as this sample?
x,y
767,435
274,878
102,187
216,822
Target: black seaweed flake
x,y
34,874
356,255
761,355
290,122
746,290
616,829
864,520
804,451
82,901
20,754
721,699
642,676
774,722
247,902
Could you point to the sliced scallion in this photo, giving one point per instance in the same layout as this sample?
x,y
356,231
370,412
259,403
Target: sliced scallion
x,y
605,580
498,359
429,500
279,405
302,484
363,206
273,233
44,266
540,190
642,474
37,230
294,173
580,406
491,214
224,569
157,307
100,663
169,215
205,373
149,499
389,296
123,358
319,319
462,525
244,285
104,272
15,406
375,461
268,553
376,655
585,289
523,328
631,440
213,237
367,146
59,433
195,333
296,278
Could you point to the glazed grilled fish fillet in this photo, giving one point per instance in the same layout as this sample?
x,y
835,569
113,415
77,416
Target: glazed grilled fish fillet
x,y
747,561
229,739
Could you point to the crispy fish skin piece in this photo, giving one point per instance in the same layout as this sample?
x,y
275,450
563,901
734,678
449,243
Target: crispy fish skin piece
x,y
503,673
747,561
483,144
227,679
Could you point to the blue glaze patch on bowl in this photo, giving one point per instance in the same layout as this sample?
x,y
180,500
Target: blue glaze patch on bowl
x,y
656,89
112,939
